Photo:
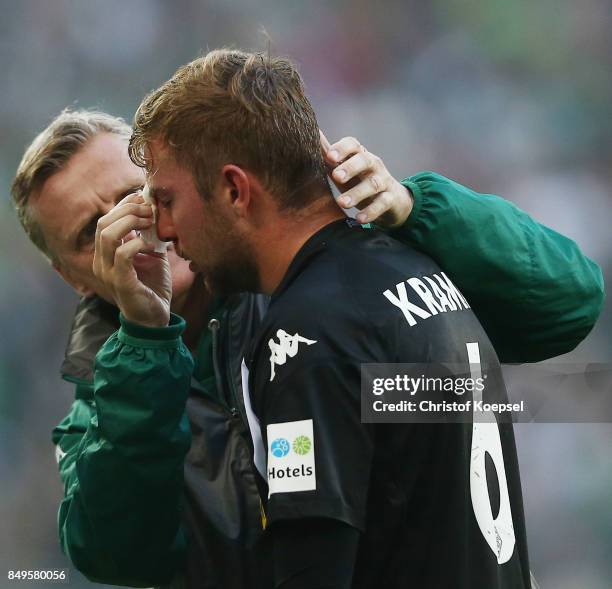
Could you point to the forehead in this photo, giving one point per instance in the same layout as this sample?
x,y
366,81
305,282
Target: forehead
x,y
163,168
102,163
93,176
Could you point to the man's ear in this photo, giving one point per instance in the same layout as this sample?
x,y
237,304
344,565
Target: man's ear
x,y
78,286
238,186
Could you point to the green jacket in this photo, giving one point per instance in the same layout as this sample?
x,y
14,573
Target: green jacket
x,y
128,513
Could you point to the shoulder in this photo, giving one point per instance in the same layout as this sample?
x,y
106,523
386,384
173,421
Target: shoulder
x,y
330,309
364,279
355,263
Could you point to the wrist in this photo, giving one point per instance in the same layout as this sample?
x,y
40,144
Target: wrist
x,y
145,314
173,328
409,203
148,323
404,208
416,202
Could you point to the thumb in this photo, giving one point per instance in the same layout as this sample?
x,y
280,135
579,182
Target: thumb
x,y
325,147
325,144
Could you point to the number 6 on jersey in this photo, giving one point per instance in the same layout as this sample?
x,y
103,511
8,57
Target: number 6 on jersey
x,y
498,531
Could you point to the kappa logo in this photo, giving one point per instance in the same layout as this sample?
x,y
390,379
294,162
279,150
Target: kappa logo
x,y
287,347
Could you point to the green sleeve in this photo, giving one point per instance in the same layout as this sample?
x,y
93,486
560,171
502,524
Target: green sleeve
x,y
67,437
535,293
121,460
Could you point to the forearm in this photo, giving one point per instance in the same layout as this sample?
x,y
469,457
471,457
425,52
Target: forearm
x,y
533,290
120,518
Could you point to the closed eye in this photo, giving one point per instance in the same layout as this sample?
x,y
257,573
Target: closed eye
x,y
86,235
161,196
164,202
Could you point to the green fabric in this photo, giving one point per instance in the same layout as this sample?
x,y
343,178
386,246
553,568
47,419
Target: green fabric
x,y
122,470
124,458
535,293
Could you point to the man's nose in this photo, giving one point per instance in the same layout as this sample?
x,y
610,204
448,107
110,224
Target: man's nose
x,y
165,227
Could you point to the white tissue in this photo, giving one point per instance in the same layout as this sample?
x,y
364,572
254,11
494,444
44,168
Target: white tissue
x,y
150,235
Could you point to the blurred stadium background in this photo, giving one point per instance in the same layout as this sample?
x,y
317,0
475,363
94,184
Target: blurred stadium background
x,y
512,98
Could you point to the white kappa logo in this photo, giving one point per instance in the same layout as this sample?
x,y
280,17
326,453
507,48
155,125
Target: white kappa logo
x,y
287,346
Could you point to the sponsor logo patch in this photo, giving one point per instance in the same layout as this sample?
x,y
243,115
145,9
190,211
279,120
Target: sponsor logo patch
x,y
291,457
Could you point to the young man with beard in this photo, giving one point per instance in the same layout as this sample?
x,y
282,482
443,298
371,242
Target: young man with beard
x,y
230,144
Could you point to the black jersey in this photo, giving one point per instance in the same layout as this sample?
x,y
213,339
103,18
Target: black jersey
x,y
429,513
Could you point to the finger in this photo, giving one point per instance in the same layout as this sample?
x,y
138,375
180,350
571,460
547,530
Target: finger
x,y
132,198
95,265
124,209
135,197
344,148
325,145
112,236
330,162
380,205
97,261
366,188
357,165
124,254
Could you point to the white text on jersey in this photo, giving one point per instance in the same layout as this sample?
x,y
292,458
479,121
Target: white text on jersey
x,y
437,292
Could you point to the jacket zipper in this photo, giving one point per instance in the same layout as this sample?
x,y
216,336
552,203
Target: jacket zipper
x,y
214,325
236,409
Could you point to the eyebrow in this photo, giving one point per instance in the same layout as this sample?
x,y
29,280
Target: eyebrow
x,y
80,233
157,191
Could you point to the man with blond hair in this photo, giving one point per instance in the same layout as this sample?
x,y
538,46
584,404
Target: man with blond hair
x,y
231,148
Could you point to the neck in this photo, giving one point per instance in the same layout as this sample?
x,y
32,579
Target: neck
x,y
193,307
281,241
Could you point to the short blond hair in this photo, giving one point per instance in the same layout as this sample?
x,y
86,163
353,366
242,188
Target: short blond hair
x,y
230,106
50,151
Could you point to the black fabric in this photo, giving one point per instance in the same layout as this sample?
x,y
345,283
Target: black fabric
x,y
313,554
407,487
94,322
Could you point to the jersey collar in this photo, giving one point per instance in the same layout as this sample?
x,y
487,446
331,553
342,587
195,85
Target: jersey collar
x,y
315,244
